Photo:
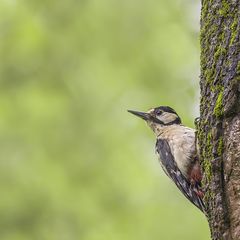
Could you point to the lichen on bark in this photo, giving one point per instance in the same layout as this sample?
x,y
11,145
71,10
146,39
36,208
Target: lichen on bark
x,y
219,105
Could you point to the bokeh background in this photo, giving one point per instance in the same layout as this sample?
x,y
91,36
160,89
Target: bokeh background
x,y
74,164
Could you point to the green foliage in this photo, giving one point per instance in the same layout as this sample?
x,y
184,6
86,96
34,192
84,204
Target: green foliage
x,y
74,163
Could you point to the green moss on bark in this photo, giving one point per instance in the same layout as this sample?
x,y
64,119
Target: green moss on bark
x,y
218,109
234,31
224,10
219,38
220,146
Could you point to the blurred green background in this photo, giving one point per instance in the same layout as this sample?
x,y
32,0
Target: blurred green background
x,y
74,164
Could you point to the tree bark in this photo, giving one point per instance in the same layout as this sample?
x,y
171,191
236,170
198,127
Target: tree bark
x,y
219,125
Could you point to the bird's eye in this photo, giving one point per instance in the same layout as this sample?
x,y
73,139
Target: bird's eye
x,y
158,112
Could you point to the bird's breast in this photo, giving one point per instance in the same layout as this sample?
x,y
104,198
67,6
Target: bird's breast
x,y
181,141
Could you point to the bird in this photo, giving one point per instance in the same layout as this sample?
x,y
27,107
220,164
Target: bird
x,y
176,147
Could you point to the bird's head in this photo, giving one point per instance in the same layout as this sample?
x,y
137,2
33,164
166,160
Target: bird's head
x,y
158,117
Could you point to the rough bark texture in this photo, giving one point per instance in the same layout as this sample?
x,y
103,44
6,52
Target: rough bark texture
x,y
219,126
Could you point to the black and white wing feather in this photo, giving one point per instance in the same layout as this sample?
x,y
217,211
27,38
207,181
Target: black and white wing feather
x,y
170,168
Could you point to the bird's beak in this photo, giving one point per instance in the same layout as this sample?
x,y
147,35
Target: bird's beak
x,y
143,115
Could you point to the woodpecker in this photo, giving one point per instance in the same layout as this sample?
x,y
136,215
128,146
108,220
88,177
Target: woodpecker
x,y
176,150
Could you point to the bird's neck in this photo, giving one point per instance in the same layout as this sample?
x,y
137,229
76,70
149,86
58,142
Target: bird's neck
x,y
158,129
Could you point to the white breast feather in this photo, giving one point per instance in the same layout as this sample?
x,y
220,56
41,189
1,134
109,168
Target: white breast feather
x,y
182,145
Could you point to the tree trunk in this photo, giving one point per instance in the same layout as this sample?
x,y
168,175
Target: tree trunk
x,y
219,125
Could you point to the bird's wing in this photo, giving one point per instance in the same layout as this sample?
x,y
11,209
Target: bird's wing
x,y
170,168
